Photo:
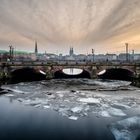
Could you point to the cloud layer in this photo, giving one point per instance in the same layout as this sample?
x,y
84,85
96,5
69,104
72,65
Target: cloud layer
x,y
56,24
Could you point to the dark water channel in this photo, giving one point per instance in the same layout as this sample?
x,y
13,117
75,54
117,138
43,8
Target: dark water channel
x,y
20,122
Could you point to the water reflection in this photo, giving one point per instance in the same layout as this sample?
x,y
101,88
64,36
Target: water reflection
x,y
72,71
20,122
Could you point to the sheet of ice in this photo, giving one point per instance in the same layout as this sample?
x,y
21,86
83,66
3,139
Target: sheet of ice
x,y
61,92
116,112
89,100
12,89
73,118
112,83
64,112
120,106
33,102
9,95
67,98
46,106
76,109
128,129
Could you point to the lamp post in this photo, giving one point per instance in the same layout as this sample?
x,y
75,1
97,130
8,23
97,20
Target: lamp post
x,y
10,52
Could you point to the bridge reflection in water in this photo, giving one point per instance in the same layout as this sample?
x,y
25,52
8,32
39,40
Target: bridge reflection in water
x,y
72,71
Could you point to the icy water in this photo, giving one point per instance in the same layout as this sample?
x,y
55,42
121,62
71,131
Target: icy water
x,y
70,109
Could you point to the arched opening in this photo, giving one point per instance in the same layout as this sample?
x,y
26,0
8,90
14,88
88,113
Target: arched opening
x,y
71,73
116,74
27,74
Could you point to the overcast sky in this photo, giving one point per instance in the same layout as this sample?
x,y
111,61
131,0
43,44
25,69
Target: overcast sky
x,y
104,25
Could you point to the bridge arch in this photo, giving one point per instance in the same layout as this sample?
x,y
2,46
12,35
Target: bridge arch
x,y
117,74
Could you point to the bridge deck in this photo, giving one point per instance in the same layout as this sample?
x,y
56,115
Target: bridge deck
x,y
68,64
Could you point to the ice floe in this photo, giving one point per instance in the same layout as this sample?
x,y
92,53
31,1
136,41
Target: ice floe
x,y
127,129
69,100
112,112
120,106
46,106
112,83
76,109
14,90
9,95
116,112
89,100
73,118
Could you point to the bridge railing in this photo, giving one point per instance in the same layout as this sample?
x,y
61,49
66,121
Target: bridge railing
x,y
67,63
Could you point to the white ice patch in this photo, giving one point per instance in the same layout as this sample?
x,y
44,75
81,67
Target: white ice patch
x,y
120,106
76,109
61,95
46,106
33,102
128,129
13,90
73,118
89,100
9,95
116,112
112,83
61,92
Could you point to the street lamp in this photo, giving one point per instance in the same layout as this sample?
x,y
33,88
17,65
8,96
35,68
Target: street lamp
x,y
11,52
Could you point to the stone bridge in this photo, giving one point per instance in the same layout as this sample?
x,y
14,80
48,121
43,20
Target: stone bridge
x,y
51,67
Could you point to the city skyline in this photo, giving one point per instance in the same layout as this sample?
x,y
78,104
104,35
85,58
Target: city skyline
x,y
70,52
127,50
84,24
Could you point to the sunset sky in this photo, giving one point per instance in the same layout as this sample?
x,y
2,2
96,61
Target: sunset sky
x,y
105,25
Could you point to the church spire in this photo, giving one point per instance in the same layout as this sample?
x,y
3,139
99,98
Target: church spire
x,y
36,49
